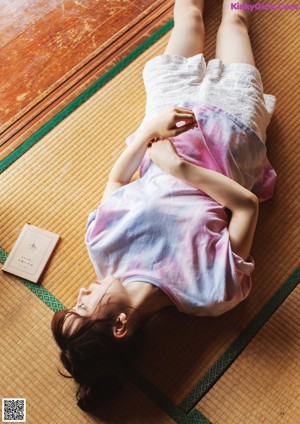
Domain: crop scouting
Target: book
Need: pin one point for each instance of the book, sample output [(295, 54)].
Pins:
[(30, 253)]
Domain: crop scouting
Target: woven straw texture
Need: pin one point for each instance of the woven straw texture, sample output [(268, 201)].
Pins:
[(60, 180), (263, 384), (29, 364)]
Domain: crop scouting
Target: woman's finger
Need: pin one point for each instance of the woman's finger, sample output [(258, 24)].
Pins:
[(185, 117), (183, 128), (183, 109)]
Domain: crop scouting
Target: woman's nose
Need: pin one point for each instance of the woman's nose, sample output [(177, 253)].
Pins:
[(83, 292)]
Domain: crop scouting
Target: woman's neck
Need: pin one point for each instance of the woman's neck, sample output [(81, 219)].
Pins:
[(147, 299)]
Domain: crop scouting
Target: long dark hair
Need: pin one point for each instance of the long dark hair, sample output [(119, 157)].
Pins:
[(94, 357)]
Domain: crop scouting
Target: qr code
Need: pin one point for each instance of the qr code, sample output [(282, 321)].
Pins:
[(13, 410)]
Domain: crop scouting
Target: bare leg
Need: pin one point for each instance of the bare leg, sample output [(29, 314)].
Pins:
[(233, 41), (187, 37)]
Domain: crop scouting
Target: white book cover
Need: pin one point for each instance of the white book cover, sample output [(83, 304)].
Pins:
[(31, 253)]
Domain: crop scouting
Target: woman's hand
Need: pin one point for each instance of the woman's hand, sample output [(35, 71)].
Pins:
[(164, 124), (164, 154)]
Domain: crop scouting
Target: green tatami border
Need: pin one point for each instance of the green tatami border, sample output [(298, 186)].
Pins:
[(185, 412), (194, 417), (83, 97), (231, 354), (37, 289), (173, 411)]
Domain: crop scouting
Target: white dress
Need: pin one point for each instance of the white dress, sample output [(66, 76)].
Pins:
[(236, 88)]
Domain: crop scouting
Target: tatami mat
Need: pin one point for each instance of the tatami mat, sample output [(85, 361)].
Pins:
[(60, 180), (263, 385), (29, 364)]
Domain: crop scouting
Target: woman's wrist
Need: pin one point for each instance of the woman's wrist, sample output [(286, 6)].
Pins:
[(174, 166), (147, 133), (179, 167)]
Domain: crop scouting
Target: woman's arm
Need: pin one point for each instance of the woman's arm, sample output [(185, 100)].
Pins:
[(162, 125), (242, 202)]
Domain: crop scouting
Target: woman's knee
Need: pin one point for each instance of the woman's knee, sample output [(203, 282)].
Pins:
[(240, 19), (191, 18)]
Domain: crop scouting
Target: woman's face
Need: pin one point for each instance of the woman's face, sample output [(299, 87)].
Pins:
[(90, 298)]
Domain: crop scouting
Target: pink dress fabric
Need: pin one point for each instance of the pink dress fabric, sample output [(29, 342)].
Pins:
[(163, 231)]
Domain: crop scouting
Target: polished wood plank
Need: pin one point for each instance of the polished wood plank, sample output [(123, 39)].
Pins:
[(17, 16), (59, 49)]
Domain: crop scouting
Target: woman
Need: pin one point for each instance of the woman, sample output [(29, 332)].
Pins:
[(181, 234)]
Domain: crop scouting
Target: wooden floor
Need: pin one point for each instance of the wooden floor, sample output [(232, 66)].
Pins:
[(51, 50), (240, 368)]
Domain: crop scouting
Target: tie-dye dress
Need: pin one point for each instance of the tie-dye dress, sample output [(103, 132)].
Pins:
[(163, 231)]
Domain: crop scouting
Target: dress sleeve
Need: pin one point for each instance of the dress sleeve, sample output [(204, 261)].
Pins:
[(91, 218), (246, 267), (130, 138)]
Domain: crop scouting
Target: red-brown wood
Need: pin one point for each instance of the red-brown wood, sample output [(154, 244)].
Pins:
[(52, 50)]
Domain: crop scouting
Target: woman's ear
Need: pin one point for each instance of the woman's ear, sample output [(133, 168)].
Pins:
[(120, 328)]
